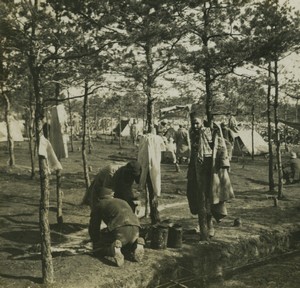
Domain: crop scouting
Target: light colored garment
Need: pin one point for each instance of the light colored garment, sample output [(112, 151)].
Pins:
[(46, 150), (170, 147), (58, 138), (149, 156)]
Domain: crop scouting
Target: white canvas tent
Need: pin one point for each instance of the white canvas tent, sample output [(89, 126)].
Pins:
[(243, 143), (15, 128)]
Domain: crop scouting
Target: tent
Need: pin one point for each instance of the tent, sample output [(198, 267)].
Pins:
[(15, 130), (125, 128), (243, 143)]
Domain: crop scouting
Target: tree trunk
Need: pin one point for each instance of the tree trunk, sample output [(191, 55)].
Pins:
[(84, 128), (47, 265), (202, 213), (59, 201), (31, 128), (148, 90), (277, 132), (271, 174), (120, 126), (10, 139), (71, 122), (252, 133)]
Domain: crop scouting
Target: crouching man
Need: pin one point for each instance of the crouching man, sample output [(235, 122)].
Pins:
[(122, 229), (123, 180)]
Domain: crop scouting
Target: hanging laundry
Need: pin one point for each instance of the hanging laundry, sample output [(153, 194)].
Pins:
[(149, 156), (46, 150), (58, 126)]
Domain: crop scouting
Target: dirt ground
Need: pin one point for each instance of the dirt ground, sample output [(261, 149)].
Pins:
[(20, 264)]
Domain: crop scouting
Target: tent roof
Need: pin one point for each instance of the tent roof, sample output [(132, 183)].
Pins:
[(15, 130), (260, 145)]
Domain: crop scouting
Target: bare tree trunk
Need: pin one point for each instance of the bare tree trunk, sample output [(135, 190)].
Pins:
[(47, 264), (150, 100), (10, 139), (31, 128), (202, 213), (271, 174), (296, 116), (84, 128), (31, 142), (59, 194), (277, 132), (252, 133), (120, 124)]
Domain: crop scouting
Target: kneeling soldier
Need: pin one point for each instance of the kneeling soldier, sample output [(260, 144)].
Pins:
[(122, 229)]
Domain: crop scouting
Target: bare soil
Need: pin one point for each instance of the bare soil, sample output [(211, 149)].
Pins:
[(74, 266)]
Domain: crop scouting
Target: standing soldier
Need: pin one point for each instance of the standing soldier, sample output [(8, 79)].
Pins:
[(183, 145), (133, 132)]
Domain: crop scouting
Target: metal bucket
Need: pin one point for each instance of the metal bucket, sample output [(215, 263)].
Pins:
[(159, 239), (175, 236)]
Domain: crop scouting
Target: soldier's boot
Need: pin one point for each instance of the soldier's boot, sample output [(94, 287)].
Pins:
[(177, 167), (115, 252), (138, 249)]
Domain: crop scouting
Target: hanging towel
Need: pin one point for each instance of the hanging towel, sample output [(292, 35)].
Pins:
[(46, 150), (58, 138)]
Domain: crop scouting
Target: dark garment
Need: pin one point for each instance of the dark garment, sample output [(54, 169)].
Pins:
[(208, 185), (291, 170), (182, 143), (102, 184), (123, 180), (115, 213)]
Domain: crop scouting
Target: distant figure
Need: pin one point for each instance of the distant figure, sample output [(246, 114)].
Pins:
[(171, 148), (133, 132), (122, 229), (291, 169), (183, 145), (123, 180), (161, 128)]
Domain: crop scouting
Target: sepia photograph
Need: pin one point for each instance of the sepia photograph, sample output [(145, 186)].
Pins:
[(149, 143)]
